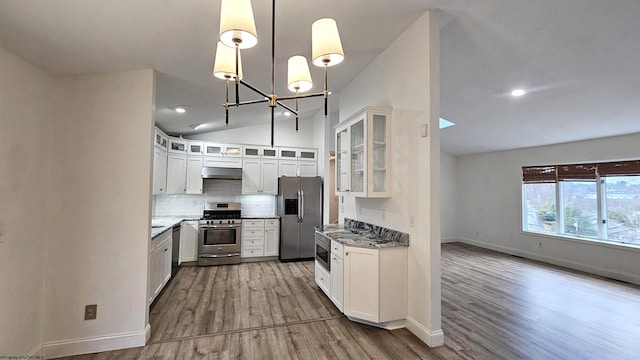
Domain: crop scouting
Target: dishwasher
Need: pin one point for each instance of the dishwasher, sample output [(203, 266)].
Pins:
[(175, 249)]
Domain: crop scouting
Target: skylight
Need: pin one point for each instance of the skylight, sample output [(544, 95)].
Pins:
[(444, 123)]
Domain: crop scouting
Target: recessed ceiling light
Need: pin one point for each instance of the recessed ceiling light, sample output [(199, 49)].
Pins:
[(444, 123), (518, 92), (180, 109), (286, 113)]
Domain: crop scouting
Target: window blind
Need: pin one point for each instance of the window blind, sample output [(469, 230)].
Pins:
[(580, 172), (619, 168), (539, 174)]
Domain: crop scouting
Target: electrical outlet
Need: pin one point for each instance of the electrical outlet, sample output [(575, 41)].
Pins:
[(91, 312), (540, 244)]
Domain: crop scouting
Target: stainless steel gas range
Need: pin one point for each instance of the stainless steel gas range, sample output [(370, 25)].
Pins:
[(219, 237)]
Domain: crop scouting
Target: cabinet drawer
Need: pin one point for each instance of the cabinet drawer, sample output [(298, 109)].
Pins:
[(251, 251), (336, 249), (253, 232), (272, 223), (252, 223), (250, 242), (323, 279)]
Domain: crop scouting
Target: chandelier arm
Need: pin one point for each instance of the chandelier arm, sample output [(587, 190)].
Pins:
[(304, 96), (226, 104), (237, 73), (250, 102), (260, 92), (296, 110), (273, 47), (286, 107)]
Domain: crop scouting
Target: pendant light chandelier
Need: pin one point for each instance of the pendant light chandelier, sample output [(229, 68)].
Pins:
[(238, 32)]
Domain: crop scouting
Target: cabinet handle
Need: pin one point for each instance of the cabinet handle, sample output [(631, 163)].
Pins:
[(347, 253), (166, 249)]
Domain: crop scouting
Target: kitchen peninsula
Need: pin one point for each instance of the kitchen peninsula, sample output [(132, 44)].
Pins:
[(362, 268)]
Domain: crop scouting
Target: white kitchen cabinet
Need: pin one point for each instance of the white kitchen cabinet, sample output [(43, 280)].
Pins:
[(323, 279), (297, 168), (188, 241), (194, 174), (161, 139), (363, 153), (259, 176), (223, 162), (260, 237), (337, 275), (177, 145), (195, 147), (176, 174), (271, 237), (159, 264), (257, 151), (159, 171), (308, 154), (226, 150), (375, 285)]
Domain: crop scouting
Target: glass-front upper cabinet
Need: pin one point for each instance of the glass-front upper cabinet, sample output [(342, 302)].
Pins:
[(342, 159), (161, 140), (177, 145), (195, 147), (222, 150), (363, 154)]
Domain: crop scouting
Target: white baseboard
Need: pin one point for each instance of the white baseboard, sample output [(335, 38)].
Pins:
[(431, 338), (32, 353), (55, 349), (448, 240), (630, 278), (389, 325)]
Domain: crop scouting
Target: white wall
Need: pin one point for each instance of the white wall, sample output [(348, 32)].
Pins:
[(405, 77), (98, 212), (284, 134), (489, 193), (25, 103), (323, 141), (448, 197)]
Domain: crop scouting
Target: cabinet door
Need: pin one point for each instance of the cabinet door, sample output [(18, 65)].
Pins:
[(161, 140), (176, 174), (323, 279), (213, 149), (337, 282), (342, 161), (233, 150), (269, 177), (308, 154), (194, 175), (379, 152), (358, 157), (308, 168), (271, 238), (189, 241), (159, 171), (361, 283), (287, 168), (251, 177), (166, 261), (288, 153), (269, 152), (178, 145), (195, 148), (251, 151)]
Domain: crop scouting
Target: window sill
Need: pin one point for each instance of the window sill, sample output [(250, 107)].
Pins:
[(603, 243)]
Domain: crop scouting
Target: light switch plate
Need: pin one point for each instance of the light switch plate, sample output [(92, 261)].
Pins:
[(91, 312)]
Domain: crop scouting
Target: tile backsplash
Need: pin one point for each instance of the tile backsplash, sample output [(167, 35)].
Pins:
[(215, 191)]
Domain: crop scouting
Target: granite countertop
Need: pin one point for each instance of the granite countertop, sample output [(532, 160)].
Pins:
[(161, 224), (368, 237)]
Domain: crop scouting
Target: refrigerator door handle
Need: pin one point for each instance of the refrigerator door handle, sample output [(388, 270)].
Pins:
[(299, 202), (302, 206)]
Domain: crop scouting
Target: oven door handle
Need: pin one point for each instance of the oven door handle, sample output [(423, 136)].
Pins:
[(219, 256), (220, 227)]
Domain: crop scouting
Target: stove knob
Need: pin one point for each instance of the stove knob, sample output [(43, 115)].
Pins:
[(229, 222)]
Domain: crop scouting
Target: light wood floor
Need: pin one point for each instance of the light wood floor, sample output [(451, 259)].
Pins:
[(494, 306)]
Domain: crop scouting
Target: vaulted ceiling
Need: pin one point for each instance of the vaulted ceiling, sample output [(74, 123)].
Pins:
[(577, 59)]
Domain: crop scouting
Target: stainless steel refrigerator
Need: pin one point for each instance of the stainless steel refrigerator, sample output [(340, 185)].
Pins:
[(300, 211)]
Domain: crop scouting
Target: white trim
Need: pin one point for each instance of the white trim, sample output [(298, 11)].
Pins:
[(54, 349), (147, 333), (448, 240), (389, 325), (631, 278), (431, 338), (35, 351)]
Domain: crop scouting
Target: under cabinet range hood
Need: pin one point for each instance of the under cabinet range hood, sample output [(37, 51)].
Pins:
[(221, 173)]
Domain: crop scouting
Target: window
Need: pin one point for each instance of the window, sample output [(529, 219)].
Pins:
[(600, 201)]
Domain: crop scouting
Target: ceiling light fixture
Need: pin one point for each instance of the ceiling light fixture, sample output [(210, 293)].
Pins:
[(518, 92), (180, 109), (238, 32)]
